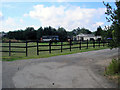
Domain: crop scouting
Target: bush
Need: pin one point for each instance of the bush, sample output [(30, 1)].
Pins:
[(12, 40), (113, 68)]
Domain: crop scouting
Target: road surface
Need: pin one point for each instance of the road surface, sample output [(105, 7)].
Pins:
[(81, 70)]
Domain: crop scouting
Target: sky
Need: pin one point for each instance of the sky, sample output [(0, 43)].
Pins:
[(70, 15)]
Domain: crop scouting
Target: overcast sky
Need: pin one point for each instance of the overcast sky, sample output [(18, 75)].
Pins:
[(70, 15)]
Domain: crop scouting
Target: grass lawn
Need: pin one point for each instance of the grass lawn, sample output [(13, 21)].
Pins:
[(32, 52)]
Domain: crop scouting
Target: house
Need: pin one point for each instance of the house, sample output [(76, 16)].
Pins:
[(88, 37), (2, 34)]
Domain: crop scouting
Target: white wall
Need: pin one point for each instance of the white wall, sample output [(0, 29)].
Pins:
[(85, 38)]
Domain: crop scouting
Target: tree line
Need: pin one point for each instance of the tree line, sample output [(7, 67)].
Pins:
[(31, 34)]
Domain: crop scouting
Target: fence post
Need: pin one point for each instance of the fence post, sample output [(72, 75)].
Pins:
[(70, 44), (61, 45), (93, 43), (87, 43), (99, 43), (9, 48), (103, 43), (26, 48), (37, 47), (80, 45), (50, 46)]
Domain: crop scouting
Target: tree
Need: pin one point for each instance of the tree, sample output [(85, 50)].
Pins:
[(113, 15), (82, 30), (99, 31), (62, 34), (85, 31), (47, 31), (30, 33), (39, 33)]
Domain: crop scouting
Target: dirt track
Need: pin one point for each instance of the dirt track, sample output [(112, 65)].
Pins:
[(81, 70)]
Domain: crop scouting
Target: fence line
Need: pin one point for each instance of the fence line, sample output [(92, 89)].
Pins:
[(71, 43)]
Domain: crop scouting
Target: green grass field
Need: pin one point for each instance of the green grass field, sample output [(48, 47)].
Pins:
[(32, 52)]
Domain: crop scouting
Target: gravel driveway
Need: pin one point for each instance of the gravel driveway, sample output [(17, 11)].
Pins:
[(81, 70)]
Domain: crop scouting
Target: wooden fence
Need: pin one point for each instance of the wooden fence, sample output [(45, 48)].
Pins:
[(50, 45)]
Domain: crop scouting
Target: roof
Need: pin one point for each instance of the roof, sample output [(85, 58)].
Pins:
[(50, 36), (86, 35)]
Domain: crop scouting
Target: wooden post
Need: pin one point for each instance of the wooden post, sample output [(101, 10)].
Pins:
[(87, 43), (37, 47), (70, 44), (80, 45), (9, 48), (26, 48), (61, 45), (93, 43), (99, 43), (103, 43), (50, 46)]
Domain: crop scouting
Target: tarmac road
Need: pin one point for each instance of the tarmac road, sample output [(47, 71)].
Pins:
[(81, 70)]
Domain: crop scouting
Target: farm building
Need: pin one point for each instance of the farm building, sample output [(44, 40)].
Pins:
[(88, 36), (2, 34), (48, 38)]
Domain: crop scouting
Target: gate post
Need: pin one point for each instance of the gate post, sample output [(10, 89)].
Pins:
[(26, 48), (87, 43), (103, 43), (80, 45), (70, 44), (61, 45), (99, 43), (93, 43), (9, 48), (37, 47), (50, 46)]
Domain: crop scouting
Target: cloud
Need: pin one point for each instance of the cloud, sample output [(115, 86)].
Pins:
[(21, 21), (11, 24), (1, 14), (10, 21), (8, 24), (98, 24), (69, 17)]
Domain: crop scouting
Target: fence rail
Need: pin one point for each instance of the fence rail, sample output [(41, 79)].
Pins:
[(61, 45)]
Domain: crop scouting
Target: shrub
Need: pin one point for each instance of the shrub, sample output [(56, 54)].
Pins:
[(113, 68)]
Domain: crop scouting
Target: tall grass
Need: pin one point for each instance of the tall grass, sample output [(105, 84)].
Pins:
[(114, 67), (113, 71)]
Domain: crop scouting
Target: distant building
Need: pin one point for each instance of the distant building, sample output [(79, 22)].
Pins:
[(48, 38), (87, 36), (2, 34)]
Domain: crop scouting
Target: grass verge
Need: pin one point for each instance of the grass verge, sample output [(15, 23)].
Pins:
[(32, 54), (113, 71)]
